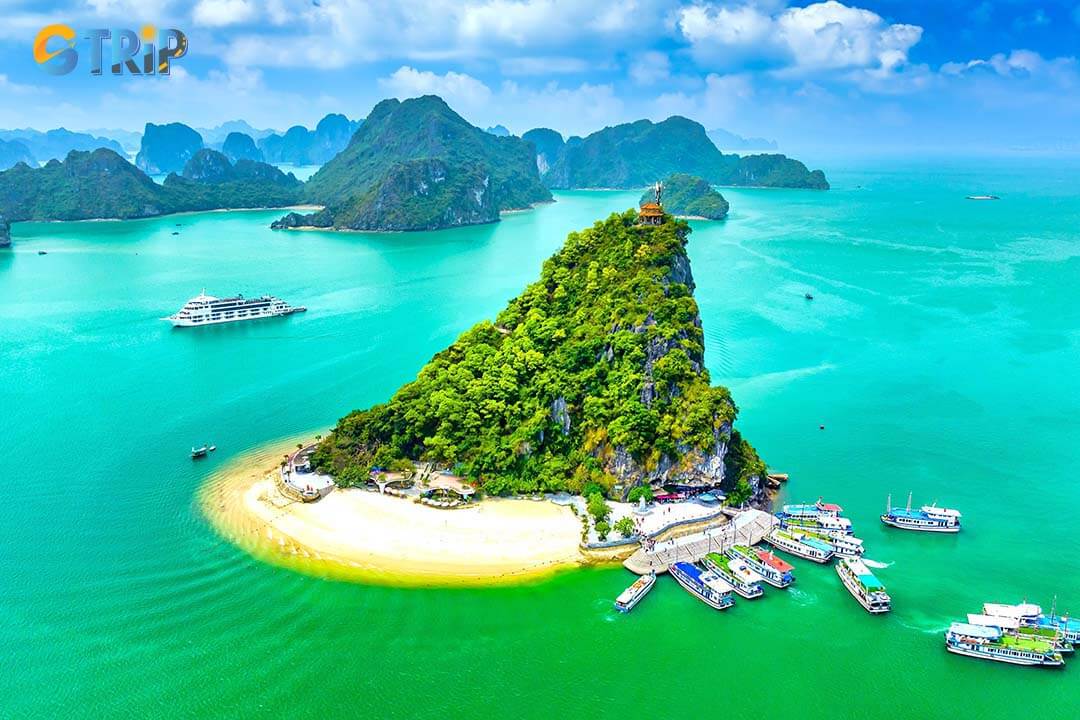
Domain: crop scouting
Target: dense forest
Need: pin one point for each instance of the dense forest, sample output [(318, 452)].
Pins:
[(594, 374)]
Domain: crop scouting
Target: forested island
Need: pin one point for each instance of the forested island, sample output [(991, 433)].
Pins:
[(635, 154), (418, 165), (691, 197), (101, 184), (592, 378)]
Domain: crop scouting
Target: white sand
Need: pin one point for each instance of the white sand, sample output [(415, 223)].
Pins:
[(358, 534)]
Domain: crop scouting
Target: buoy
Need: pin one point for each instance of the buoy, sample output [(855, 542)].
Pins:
[(821, 427)]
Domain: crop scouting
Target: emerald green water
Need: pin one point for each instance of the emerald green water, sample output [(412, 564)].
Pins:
[(940, 353)]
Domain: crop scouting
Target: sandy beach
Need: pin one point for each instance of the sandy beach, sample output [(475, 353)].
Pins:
[(361, 535)]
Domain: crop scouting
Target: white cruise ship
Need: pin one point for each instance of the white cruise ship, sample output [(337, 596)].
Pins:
[(206, 309)]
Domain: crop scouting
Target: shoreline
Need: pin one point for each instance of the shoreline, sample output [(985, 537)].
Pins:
[(362, 536)]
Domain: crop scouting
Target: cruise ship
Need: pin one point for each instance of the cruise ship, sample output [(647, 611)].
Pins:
[(800, 545), (928, 518), (735, 573), (206, 309), (706, 585)]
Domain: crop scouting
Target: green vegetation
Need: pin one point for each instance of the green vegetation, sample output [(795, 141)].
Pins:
[(593, 375), (636, 154), (641, 491), (689, 196), (602, 529), (101, 184), (597, 507), (418, 165), (625, 527)]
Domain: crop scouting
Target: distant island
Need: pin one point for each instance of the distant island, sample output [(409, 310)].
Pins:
[(636, 154), (300, 146), (56, 143), (101, 184), (687, 196), (725, 140), (418, 165), (593, 377)]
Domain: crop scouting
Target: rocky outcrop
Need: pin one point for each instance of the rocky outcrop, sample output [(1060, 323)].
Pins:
[(300, 146), (5, 233), (548, 144), (238, 146), (167, 148), (13, 152), (292, 221)]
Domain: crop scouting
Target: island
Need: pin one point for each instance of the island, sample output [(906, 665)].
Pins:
[(57, 143), (635, 154), (300, 146), (167, 148), (240, 146), (418, 165), (103, 185), (13, 152), (686, 196), (589, 387)]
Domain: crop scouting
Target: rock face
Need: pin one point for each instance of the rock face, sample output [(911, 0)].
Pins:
[(13, 152), (167, 148), (498, 131), (5, 233), (210, 181), (320, 219), (636, 154), (417, 165), (300, 146), (595, 373), (58, 143), (689, 196), (548, 144), (238, 146)]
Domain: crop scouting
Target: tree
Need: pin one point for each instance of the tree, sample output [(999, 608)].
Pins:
[(625, 527), (598, 508), (641, 491), (602, 530)]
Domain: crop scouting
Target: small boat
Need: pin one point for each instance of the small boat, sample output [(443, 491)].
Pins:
[(735, 573), (632, 595), (42, 252), (772, 569), (175, 233), (808, 296), (992, 643), (798, 544), (200, 452), (824, 524), (982, 197), (705, 585), (928, 518), (863, 585)]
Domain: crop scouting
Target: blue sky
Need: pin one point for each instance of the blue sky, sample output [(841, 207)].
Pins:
[(829, 75)]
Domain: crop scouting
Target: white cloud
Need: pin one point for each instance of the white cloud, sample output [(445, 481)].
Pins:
[(219, 13), (1017, 64), (650, 68), (457, 89), (822, 36), (545, 66)]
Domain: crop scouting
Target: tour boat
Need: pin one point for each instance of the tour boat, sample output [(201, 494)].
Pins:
[(928, 518), (992, 643), (735, 573), (772, 569), (706, 585), (205, 309), (842, 545), (198, 452), (863, 586), (632, 595), (1031, 615), (812, 511), (799, 544), (1013, 626), (831, 525)]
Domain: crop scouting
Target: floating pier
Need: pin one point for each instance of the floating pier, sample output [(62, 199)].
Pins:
[(746, 527)]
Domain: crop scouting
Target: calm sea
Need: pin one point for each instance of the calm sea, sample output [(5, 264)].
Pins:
[(940, 353)]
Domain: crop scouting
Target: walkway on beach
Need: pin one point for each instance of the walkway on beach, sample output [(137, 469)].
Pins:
[(746, 528)]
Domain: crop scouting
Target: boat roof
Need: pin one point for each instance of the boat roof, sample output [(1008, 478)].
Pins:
[(904, 512), (815, 543), (831, 507), (1062, 623), (1022, 610), (943, 512), (1005, 623), (690, 569), (772, 561), (801, 507), (628, 594), (712, 579), (867, 578), (979, 631)]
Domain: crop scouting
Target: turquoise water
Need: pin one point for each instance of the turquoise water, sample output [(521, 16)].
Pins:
[(940, 353)]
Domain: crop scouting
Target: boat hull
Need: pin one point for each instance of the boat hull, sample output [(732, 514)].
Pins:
[(893, 522), (1028, 662), (184, 322), (799, 552), (853, 590), (690, 587), (632, 602)]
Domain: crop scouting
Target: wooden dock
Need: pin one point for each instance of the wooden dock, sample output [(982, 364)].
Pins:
[(745, 528)]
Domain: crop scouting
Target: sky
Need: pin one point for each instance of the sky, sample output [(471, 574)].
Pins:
[(888, 74)]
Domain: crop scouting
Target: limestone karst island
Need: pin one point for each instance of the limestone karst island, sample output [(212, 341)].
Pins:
[(539, 359)]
